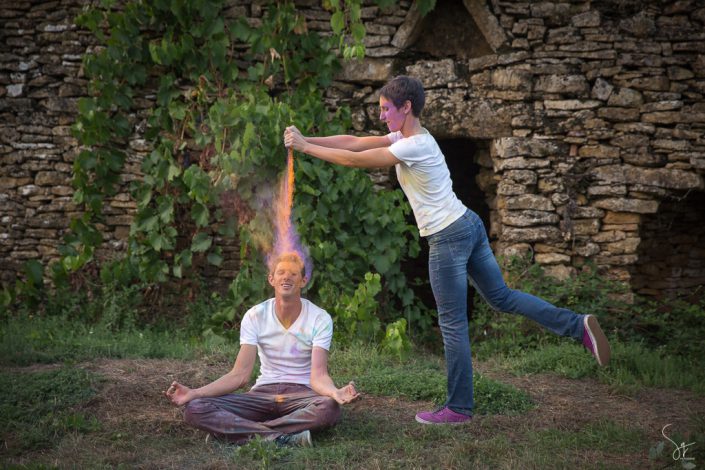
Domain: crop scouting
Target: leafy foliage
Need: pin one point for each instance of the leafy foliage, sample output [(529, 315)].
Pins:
[(670, 326), (224, 91)]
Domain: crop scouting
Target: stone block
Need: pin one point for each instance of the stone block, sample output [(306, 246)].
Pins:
[(626, 246), (530, 202), (529, 218), (626, 97), (7, 182), (525, 177), (588, 19), (552, 258), (622, 218), (511, 78), (376, 41), (673, 117), (698, 161), (50, 178), (507, 188), (367, 71), (646, 159), (588, 250), (566, 35), (480, 63), (585, 226), (619, 114), (640, 206), (640, 60), (409, 30), (587, 212), (433, 73), (528, 235), (608, 236), (630, 141), (640, 127), (572, 105), (671, 144), (663, 178), (613, 174), (562, 84), (509, 147), (654, 83), (602, 90), (617, 260), (679, 73), (451, 113), (599, 151), (560, 271), (491, 30), (640, 25)]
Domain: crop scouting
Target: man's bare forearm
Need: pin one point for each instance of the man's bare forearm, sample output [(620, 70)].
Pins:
[(323, 385), (224, 385)]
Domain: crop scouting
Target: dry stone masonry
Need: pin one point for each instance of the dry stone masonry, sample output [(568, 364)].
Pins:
[(581, 123)]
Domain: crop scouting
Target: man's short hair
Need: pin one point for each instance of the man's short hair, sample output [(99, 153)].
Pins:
[(289, 256), (402, 88)]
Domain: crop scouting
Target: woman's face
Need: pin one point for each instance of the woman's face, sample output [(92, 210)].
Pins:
[(394, 117)]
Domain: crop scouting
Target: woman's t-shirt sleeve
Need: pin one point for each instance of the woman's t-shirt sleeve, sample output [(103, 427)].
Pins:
[(409, 150)]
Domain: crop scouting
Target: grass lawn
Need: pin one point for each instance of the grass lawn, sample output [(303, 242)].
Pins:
[(93, 400)]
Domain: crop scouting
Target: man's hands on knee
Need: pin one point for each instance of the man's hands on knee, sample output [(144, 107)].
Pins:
[(346, 394), (179, 394)]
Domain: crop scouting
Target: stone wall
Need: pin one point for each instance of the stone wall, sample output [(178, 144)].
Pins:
[(40, 82), (592, 111)]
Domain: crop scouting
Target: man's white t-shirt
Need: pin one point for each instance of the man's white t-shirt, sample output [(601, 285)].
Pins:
[(285, 354), (425, 179)]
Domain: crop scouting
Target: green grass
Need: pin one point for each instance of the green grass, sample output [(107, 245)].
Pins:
[(601, 435), (379, 433), (365, 441), (422, 377), (25, 341), (632, 367), (36, 408)]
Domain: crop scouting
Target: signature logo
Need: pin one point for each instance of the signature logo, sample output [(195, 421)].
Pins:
[(680, 450)]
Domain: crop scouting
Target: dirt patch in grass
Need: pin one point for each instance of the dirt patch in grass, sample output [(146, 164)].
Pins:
[(141, 429), (570, 404)]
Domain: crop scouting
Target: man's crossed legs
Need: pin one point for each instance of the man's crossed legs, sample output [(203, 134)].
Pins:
[(271, 411)]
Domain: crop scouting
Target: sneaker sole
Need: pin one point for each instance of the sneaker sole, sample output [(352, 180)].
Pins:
[(306, 440), (423, 421), (599, 340)]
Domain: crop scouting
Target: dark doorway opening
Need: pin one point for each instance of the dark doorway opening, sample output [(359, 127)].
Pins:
[(671, 254), (462, 157), (449, 30)]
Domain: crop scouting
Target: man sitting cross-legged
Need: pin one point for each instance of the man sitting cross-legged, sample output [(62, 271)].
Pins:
[(294, 393)]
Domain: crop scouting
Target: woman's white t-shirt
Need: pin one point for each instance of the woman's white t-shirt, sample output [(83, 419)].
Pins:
[(285, 354), (425, 179)]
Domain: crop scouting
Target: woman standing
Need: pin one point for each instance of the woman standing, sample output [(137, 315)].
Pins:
[(458, 245)]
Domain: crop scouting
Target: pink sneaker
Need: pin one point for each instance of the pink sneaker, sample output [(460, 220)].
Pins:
[(443, 416), (595, 340)]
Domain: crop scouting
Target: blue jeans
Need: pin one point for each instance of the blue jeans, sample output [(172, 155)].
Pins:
[(460, 252)]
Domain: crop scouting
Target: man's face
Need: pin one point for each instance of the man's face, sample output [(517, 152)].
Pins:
[(394, 117), (287, 279)]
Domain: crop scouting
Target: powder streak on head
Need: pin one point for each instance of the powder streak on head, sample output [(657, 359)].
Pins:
[(286, 239)]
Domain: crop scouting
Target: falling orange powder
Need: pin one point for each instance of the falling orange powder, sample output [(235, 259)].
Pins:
[(285, 240)]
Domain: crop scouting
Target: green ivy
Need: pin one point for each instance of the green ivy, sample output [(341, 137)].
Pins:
[(224, 91)]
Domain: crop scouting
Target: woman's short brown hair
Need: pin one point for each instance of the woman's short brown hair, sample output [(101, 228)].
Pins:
[(402, 88)]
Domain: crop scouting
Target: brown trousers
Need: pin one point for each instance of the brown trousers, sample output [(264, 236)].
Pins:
[(267, 410)]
